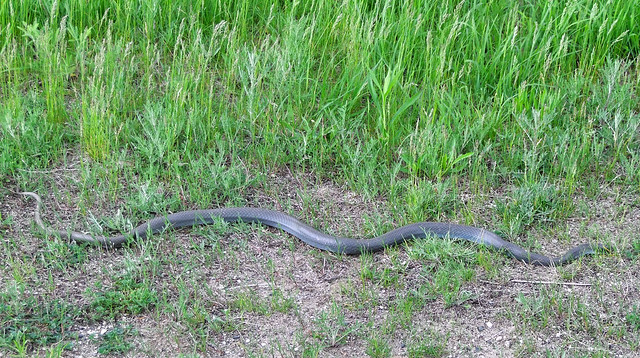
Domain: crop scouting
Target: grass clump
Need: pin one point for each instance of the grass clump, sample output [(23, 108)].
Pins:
[(115, 341), (378, 348), (331, 327), (534, 203), (633, 317), (29, 322), (128, 296), (62, 256), (250, 301), (428, 344)]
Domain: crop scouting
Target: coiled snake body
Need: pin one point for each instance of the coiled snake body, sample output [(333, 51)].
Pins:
[(319, 239)]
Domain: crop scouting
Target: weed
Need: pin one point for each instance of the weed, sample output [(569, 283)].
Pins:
[(429, 344), (551, 307), (50, 47), (309, 348), (281, 303), (378, 348), (634, 251), (426, 201), (249, 301), (5, 223), (128, 296), (29, 322), (533, 203), (386, 277), (62, 256), (115, 341), (633, 317), (332, 328)]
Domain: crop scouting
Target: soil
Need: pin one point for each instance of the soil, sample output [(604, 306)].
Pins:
[(256, 259)]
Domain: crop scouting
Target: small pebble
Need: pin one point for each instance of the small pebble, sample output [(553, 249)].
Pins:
[(489, 324)]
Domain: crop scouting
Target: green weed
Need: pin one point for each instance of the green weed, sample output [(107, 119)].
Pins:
[(533, 203), (29, 322), (115, 341), (378, 348), (633, 317), (128, 296), (428, 344), (62, 256), (332, 328)]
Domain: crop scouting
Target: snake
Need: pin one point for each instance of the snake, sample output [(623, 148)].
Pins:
[(316, 238)]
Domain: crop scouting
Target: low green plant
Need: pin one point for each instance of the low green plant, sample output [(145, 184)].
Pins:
[(115, 341), (427, 344), (127, 296), (633, 317), (5, 223), (62, 255), (427, 201), (331, 326), (378, 348), (250, 301), (30, 322), (533, 203)]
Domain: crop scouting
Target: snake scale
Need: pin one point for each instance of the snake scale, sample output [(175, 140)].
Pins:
[(319, 239)]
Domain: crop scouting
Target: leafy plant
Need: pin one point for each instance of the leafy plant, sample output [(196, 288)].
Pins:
[(128, 296), (29, 323), (115, 341)]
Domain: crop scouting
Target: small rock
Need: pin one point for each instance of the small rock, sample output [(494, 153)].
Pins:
[(480, 328), (489, 324)]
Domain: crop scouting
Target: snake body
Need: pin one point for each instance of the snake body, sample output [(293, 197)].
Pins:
[(317, 238)]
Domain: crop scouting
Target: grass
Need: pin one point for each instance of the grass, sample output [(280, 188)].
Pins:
[(30, 322), (114, 341), (128, 296), (356, 116)]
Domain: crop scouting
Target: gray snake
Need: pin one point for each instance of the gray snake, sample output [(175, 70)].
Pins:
[(319, 239)]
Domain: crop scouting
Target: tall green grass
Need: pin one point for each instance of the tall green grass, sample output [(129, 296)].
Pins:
[(494, 91)]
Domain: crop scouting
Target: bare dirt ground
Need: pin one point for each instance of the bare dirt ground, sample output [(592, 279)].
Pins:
[(575, 310)]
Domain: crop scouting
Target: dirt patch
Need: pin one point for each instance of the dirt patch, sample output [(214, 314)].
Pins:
[(235, 291)]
